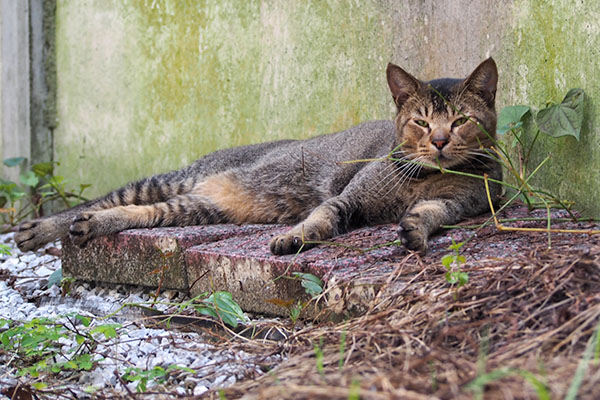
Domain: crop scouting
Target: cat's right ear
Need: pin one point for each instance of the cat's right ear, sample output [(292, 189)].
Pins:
[(401, 83)]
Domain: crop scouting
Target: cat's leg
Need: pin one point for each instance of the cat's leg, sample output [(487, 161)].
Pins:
[(425, 218), (182, 210), (34, 234), (324, 222), (468, 199)]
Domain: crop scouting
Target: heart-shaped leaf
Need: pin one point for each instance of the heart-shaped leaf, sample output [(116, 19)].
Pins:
[(13, 162), (565, 118), (511, 118)]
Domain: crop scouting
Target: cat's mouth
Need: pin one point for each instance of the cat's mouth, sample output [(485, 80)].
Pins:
[(441, 160)]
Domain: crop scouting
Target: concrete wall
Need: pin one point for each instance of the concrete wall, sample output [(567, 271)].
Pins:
[(148, 86)]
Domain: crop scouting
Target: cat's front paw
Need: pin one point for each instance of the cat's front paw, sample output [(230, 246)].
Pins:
[(412, 234), (288, 243), (83, 229), (33, 234), (285, 244)]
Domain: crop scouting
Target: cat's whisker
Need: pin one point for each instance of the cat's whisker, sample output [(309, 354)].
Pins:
[(399, 166), (411, 171), (383, 176)]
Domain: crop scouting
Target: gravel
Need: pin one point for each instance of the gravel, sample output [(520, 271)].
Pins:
[(24, 295)]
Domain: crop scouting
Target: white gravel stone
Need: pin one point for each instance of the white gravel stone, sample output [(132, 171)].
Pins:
[(134, 346)]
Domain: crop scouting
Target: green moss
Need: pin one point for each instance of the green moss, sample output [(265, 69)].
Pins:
[(556, 48), (182, 79)]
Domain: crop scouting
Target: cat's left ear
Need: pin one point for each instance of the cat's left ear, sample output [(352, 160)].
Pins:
[(484, 81)]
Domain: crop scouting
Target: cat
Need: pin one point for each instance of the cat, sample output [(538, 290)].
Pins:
[(321, 184)]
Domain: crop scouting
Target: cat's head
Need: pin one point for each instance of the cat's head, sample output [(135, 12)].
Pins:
[(445, 122)]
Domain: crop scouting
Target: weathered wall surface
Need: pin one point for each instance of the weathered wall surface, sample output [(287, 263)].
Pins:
[(148, 86), (550, 48)]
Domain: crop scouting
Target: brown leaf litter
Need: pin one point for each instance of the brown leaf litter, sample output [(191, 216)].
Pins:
[(521, 324)]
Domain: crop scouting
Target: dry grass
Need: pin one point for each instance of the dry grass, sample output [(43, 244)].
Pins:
[(525, 317)]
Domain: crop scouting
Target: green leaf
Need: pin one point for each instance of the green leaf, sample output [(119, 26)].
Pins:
[(43, 169), (4, 250), (85, 361), (39, 385), (13, 162), (83, 319), (463, 278), (55, 278), (451, 278), (79, 339), (511, 118), (447, 260), (223, 305), (311, 283), (565, 118), (29, 179), (108, 330), (456, 246)]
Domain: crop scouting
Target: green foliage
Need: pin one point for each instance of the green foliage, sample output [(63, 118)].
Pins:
[(319, 357), (37, 347), (563, 119), (311, 284), (452, 263), (221, 305), (155, 376), (55, 278), (5, 249), (36, 186), (107, 330), (511, 118), (478, 384), (342, 349), (294, 311)]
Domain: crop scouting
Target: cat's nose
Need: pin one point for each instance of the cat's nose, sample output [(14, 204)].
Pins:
[(439, 138)]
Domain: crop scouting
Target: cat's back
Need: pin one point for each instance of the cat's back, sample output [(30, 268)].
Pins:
[(366, 140)]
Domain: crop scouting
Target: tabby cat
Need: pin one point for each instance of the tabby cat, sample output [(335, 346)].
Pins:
[(448, 123)]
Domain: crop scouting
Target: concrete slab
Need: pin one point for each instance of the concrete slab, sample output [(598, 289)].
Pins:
[(144, 256), (358, 268)]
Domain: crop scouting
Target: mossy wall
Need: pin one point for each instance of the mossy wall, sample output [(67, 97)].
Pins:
[(550, 48), (148, 86)]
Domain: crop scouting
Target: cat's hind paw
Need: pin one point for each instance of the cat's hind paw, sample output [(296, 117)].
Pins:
[(34, 234), (83, 229)]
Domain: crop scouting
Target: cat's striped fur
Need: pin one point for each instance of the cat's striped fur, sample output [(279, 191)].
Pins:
[(445, 122)]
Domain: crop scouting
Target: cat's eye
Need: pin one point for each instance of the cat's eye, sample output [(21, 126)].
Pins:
[(422, 123), (459, 122)]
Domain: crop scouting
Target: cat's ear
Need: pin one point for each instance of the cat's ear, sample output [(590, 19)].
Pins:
[(484, 80), (401, 83)]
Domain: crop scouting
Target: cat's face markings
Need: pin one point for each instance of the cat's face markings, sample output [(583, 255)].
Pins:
[(438, 121)]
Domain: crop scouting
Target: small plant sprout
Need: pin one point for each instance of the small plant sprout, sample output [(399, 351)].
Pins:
[(220, 305), (452, 263)]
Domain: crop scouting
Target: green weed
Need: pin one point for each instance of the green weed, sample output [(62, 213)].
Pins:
[(36, 347), (36, 186), (154, 376)]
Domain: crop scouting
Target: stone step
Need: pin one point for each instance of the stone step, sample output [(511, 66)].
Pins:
[(354, 267), (237, 259), (146, 257)]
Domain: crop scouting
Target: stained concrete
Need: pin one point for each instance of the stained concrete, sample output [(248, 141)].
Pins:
[(358, 269), (148, 257)]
